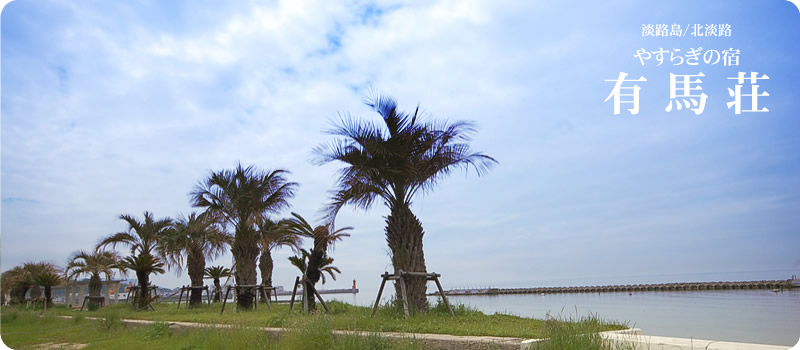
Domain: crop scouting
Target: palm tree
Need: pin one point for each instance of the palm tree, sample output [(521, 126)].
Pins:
[(217, 272), (324, 239), (394, 160), (143, 265), (34, 271), (271, 236), (17, 282), (144, 238), (94, 264), (48, 280), (326, 266), (7, 292), (244, 197), (197, 237)]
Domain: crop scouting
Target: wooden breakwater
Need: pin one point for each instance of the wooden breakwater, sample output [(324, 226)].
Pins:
[(684, 286)]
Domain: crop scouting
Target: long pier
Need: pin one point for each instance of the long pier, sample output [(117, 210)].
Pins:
[(685, 286)]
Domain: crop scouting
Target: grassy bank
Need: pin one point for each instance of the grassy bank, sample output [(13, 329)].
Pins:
[(26, 329), (21, 327)]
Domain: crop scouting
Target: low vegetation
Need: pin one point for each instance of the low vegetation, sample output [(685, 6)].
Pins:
[(567, 333), (23, 329), (317, 326)]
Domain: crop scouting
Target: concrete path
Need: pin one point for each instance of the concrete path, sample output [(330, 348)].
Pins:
[(627, 337), (648, 342)]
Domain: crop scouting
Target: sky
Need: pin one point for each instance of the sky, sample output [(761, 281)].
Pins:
[(121, 107)]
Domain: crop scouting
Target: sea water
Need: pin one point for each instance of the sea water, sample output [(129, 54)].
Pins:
[(749, 316)]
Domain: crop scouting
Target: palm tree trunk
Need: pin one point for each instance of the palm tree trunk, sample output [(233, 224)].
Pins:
[(196, 264), (18, 295), (313, 276), (22, 291), (36, 292), (95, 286), (245, 251), (143, 297), (308, 294), (265, 264), (404, 235), (217, 291), (48, 295)]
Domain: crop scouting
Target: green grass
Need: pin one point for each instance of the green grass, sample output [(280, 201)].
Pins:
[(345, 317), (578, 334), (22, 327)]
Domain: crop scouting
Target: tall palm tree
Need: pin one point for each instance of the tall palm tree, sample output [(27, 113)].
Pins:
[(197, 237), (143, 265), (95, 264), (324, 239), (394, 160), (326, 266), (144, 238), (217, 272), (244, 197), (271, 236)]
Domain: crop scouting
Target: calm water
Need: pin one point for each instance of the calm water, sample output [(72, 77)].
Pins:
[(752, 316)]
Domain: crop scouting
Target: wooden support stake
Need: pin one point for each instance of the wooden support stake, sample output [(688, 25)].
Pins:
[(380, 291), (180, 297), (321, 301), (305, 295), (225, 300), (402, 282), (444, 298), (421, 274), (255, 297), (264, 289), (294, 292)]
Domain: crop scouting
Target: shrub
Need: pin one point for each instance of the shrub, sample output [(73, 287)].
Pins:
[(9, 316), (156, 331), (112, 321)]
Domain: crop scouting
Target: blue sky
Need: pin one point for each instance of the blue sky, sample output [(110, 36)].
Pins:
[(121, 107)]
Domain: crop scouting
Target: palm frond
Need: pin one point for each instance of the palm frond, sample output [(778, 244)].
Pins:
[(48, 279), (244, 196), (143, 263), (411, 157), (123, 238), (97, 262), (217, 272), (199, 233)]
